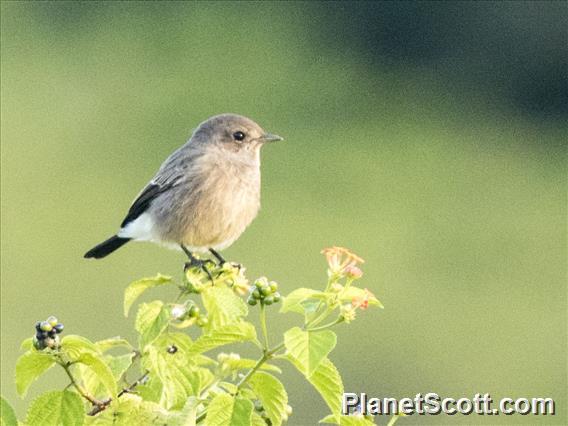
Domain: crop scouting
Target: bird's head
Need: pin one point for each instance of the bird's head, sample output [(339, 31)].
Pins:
[(233, 134)]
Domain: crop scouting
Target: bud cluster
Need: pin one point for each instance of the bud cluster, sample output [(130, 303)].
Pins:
[(189, 311), (47, 333), (264, 291)]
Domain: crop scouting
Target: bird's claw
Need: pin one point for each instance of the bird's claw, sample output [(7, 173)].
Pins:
[(199, 264)]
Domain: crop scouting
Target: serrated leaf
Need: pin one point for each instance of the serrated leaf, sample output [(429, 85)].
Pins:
[(151, 321), (91, 380), (7, 414), (309, 348), (111, 343), (294, 301), (223, 306), (101, 370), (29, 367), (358, 293), (179, 376), (347, 420), (187, 416), (272, 394), (57, 408), (327, 381), (74, 346), (256, 420), (136, 288), (225, 335), (225, 410)]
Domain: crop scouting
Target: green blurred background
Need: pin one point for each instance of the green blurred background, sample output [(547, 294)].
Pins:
[(427, 137)]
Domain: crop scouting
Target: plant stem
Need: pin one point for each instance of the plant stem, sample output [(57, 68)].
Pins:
[(79, 388), (265, 357), (328, 325), (263, 326)]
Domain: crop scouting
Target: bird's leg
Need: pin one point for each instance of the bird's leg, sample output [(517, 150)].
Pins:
[(222, 260), (218, 256), (196, 263)]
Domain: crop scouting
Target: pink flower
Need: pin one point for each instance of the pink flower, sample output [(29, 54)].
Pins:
[(362, 301), (341, 261)]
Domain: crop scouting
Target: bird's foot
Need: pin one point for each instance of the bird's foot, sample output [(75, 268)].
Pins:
[(200, 265)]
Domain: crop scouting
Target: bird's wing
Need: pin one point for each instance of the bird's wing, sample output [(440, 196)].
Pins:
[(156, 187)]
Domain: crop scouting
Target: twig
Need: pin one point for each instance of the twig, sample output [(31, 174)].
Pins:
[(103, 405)]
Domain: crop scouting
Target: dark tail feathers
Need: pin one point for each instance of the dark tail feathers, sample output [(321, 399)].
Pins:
[(106, 247)]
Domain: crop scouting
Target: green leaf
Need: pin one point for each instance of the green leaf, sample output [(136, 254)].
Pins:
[(27, 344), (119, 364), (272, 394), (293, 302), (29, 367), (179, 376), (309, 348), (347, 420), (225, 335), (130, 409), (57, 408), (74, 346), (256, 420), (101, 370), (223, 306), (136, 288), (327, 381), (151, 321), (111, 343), (225, 410), (7, 414), (188, 415)]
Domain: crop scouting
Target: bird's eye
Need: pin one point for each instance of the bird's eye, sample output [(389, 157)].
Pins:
[(239, 136)]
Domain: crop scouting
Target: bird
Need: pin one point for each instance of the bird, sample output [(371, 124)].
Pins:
[(204, 195)]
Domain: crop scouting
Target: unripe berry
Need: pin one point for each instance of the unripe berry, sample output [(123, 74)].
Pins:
[(268, 300), (273, 286), (45, 326), (52, 321), (194, 311), (265, 291), (202, 321), (276, 297), (261, 282), (256, 293), (252, 301)]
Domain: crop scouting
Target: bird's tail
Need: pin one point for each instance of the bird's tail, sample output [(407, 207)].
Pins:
[(106, 247)]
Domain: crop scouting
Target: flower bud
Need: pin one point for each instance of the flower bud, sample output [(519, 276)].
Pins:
[(178, 311), (353, 272)]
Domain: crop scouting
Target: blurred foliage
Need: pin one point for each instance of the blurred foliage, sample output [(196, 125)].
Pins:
[(430, 138)]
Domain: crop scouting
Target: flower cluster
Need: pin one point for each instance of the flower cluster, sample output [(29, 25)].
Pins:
[(342, 263), (264, 291), (348, 311), (47, 333)]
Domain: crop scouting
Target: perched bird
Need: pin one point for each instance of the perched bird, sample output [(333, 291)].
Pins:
[(204, 195)]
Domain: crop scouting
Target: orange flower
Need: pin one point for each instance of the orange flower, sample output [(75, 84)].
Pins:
[(341, 261)]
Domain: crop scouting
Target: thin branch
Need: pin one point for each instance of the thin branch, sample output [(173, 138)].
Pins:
[(103, 405)]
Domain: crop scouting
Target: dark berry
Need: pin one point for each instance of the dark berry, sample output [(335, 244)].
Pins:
[(172, 349), (40, 335), (59, 328), (38, 326)]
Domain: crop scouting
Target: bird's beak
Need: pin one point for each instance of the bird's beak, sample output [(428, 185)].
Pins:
[(269, 137)]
